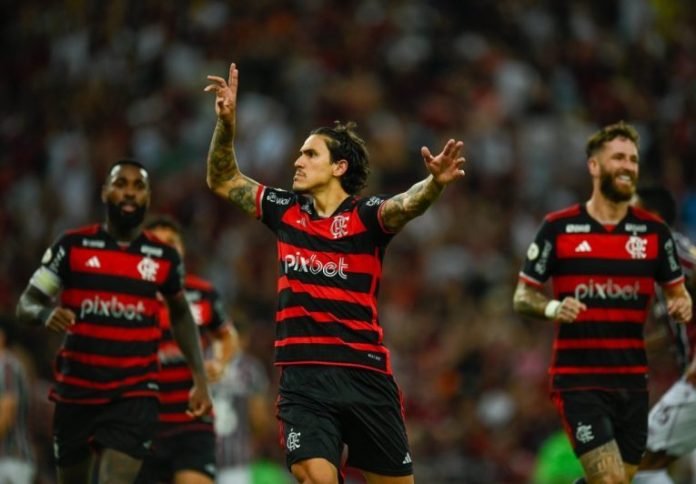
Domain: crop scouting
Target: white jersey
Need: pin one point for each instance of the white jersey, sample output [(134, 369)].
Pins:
[(245, 377), (672, 421), (684, 334)]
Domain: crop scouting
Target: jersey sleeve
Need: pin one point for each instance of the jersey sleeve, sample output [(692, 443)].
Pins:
[(54, 268), (272, 204), (669, 270), (370, 212), (539, 259), (175, 278)]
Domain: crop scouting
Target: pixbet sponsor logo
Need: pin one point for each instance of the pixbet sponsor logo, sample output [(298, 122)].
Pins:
[(111, 308), (607, 290), (312, 265)]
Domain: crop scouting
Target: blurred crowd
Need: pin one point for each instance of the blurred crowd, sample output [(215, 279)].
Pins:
[(522, 82)]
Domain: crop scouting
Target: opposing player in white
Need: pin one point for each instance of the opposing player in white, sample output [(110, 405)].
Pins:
[(672, 421)]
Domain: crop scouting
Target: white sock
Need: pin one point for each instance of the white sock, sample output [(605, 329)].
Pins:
[(652, 477)]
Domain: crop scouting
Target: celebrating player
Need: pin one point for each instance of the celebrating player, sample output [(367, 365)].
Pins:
[(604, 258), (336, 384)]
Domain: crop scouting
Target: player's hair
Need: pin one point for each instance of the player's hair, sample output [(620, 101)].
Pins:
[(658, 199), (164, 221), (345, 144), (608, 133), (125, 161)]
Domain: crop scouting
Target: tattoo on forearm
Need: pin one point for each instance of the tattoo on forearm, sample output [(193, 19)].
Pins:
[(222, 162), (224, 176), (406, 206), (244, 195), (529, 301)]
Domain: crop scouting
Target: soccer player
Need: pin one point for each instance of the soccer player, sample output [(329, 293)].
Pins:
[(604, 258), (183, 450), (243, 413), (106, 278), (336, 382), (17, 459), (672, 421)]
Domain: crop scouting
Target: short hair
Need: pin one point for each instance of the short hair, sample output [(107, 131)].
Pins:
[(164, 221), (345, 144), (125, 161), (608, 133), (656, 198)]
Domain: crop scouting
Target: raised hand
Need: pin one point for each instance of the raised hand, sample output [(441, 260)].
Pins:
[(446, 166), (225, 94)]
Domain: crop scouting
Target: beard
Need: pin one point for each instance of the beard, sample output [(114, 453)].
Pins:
[(611, 191), (125, 220)]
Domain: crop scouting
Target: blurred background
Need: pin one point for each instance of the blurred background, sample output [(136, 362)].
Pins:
[(522, 82)]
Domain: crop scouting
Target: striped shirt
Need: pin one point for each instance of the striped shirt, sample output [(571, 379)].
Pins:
[(111, 350), (329, 276), (613, 270), (244, 380), (175, 378), (15, 442)]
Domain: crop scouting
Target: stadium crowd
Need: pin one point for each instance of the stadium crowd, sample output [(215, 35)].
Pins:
[(522, 82)]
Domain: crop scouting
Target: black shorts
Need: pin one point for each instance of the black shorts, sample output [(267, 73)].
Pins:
[(321, 408), (592, 418), (125, 425), (190, 451)]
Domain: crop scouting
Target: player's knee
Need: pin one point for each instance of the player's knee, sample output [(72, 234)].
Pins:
[(611, 476), (315, 471)]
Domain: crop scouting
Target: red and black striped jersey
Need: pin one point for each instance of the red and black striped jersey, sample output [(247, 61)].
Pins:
[(175, 378), (613, 270), (329, 276), (111, 350)]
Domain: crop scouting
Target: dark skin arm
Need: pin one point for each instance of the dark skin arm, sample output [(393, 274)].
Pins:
[(187, 337), (35, 308)]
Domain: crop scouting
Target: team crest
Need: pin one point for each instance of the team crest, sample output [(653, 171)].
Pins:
[(339, 226), (148, 269), (584, 433), (293, 440), (637, 247)]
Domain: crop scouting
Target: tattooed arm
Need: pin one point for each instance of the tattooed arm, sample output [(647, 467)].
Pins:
[(530, 301), (224, 177), (444, 168)]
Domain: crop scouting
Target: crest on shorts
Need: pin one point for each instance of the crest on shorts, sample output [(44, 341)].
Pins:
[(293, 440), (584, 433)]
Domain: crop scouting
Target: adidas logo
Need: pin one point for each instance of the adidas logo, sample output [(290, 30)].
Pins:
[(583, 246), (407, 459), (93, 262)]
